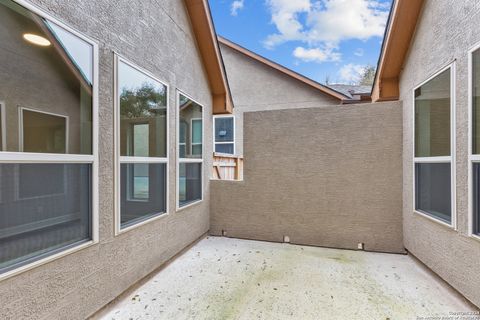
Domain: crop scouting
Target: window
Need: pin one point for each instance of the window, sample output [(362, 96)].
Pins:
[(224, 134), (48, 158), (141, 146), (475, 121), (190, 152), (433, 148)]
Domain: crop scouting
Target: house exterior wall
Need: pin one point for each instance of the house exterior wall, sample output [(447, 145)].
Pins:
[(155, 35), (446, 30), (328, 176), (256, 87)]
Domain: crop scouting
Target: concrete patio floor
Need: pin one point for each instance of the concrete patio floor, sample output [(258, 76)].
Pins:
[(222, 278)]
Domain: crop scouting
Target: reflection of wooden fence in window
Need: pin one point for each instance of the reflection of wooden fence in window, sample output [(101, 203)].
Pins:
[(227, 167)]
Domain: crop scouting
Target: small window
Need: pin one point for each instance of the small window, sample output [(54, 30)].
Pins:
[(433, 155), (475, 101), (48, 78), (190, 151), (142, 109), (225, 134)]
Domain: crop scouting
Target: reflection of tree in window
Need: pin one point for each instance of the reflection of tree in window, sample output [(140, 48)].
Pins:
[(143, 109), (144, 101)]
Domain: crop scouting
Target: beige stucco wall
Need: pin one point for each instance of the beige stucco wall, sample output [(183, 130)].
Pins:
[(445, 32), (157, 36), (256, 87), (328, 176)]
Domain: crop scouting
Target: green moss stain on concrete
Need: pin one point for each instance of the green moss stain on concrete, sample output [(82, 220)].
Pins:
[(231, 279)]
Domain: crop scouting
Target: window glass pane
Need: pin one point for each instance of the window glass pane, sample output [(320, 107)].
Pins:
[(143, 191), (224, 129), (44, 132), (433, 191), (140, 139), (196, 131), (224, 148), (48, 69), (191, 128), (476, 198), (476, 101), (143, 110), (432, 117), (197, 149), (44, 208), (190, 183)]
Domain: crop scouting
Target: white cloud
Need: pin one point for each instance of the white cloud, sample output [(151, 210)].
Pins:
[(236, 6), (338, 20), (351, 73), (316, 54), (359, 52), (285, 16), (325, 22)]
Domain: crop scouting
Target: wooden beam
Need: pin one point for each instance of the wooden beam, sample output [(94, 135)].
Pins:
[(205, 35), (400, 31)]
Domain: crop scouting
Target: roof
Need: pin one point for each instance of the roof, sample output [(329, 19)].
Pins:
[(204, 30), (396, 43), (351, 90), (324, 89)]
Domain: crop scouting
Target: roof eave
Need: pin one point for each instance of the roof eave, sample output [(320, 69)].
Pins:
[(398, 37), (204, 30)]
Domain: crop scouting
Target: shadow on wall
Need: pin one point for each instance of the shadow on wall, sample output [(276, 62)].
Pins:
[(329, 176)]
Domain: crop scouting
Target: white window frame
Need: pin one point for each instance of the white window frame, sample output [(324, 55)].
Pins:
[(439, 159), (131, 160), (36, 158), (472, 158), (215, 130), (188, 160), (21, 140), (3, 125)]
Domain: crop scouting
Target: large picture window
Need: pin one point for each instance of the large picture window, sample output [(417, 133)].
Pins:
[(475, 121), (190, 152), (48, 158), (433, 147), (224, 134), (141, 146)]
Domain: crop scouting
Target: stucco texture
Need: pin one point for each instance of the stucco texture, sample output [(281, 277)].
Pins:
[(445, 32), (328, 176), (257, 87), (157, 36)]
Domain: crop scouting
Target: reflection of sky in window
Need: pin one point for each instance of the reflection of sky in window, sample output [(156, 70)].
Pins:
[(132, 79), (78, 50)]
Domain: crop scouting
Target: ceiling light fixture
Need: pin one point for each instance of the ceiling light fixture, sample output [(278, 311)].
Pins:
[(35, 39)]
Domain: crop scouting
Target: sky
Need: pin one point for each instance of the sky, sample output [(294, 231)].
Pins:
[(323, 40)]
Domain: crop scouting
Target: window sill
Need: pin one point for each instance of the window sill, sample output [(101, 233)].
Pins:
[(158, 216), (189, 205), (46, 260), (430, 218), (475, 237)]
